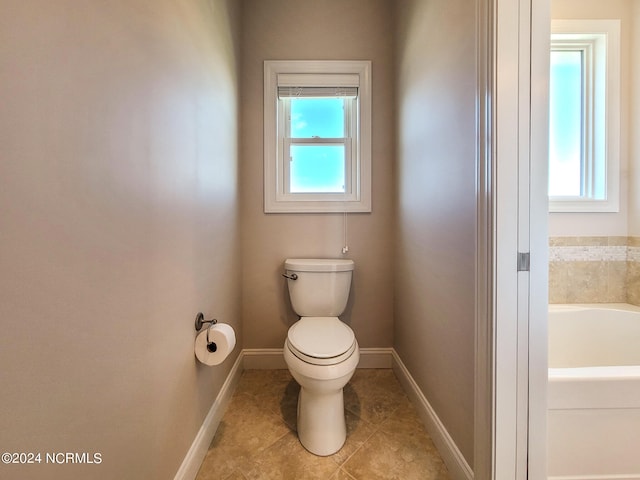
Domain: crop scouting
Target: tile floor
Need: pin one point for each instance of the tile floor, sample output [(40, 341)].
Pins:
[(256, 438)]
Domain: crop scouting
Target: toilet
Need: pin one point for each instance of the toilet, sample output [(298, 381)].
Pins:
[(321, 351)]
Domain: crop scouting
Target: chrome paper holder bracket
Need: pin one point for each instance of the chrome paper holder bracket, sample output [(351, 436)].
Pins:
[(200, 321)]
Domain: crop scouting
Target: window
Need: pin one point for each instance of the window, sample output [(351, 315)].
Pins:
[(317, 128), (584, 116)]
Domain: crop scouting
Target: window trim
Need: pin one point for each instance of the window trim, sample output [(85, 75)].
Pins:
[(357, 196), (607, 141)]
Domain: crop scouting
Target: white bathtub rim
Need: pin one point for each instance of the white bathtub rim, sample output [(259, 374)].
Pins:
[(563, 307), (593, 335), (596, 373)]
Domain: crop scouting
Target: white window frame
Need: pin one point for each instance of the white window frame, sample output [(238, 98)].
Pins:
[(357, 141), (600, 42)]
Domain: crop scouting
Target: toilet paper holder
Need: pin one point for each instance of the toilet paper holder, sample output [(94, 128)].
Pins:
[(211, 346), (200, 321)]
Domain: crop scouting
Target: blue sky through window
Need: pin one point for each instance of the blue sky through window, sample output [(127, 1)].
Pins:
[(320, 117), (317, 168), (565, 123)]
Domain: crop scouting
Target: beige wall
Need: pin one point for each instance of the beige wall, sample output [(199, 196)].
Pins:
[(118, 210), (123, 192), (603, 224), (317, 30), (435, 251)]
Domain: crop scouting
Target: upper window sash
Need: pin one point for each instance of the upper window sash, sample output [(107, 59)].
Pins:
[(349, 117)]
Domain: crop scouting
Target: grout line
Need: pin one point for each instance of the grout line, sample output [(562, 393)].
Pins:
[(342, 465), (349, 476), (235, 472), (376, 428)]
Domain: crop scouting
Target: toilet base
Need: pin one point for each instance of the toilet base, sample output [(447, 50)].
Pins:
[(322, 428)]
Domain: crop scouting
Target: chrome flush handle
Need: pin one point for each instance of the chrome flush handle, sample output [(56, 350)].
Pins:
[(293, 276)]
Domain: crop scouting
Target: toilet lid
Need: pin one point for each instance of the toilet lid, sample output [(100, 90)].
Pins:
[(321, 340)]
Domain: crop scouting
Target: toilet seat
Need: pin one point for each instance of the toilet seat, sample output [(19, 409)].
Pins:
[(321, 340)]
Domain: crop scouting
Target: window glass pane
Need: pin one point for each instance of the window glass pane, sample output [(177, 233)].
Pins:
[(565, 124), (317, 169), (317, 117)]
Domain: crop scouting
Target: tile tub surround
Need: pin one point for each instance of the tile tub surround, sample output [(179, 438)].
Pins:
[(256, 438), (594, 270), (633, 271)]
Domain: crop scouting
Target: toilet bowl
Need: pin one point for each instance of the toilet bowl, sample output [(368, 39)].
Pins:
[(321, 352), (321, 425)]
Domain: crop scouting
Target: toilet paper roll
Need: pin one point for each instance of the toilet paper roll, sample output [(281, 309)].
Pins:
[(222, 340)]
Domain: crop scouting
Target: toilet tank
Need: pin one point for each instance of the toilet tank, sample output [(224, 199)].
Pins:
[(321, 286)]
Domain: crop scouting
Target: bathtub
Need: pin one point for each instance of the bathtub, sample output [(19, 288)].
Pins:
[(594, 392)]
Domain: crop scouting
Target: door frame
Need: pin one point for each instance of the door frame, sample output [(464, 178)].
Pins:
[(511, 325)]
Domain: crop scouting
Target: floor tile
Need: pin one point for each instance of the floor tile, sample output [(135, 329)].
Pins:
[(341, 475), (236, 476), (396, 456), (245, 430), (358, 432), (257, 437), (373, 394), (288, 460), (400, 449)]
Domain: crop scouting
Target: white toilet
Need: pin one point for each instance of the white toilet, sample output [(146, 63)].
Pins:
[(321, 351)]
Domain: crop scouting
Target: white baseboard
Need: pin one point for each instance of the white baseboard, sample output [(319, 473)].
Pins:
[(192, 461), (376, 358), (273, 359), (453, 458), (629, 476), (263, 359)]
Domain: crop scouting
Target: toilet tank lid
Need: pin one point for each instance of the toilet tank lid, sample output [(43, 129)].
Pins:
[(318, 264)]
